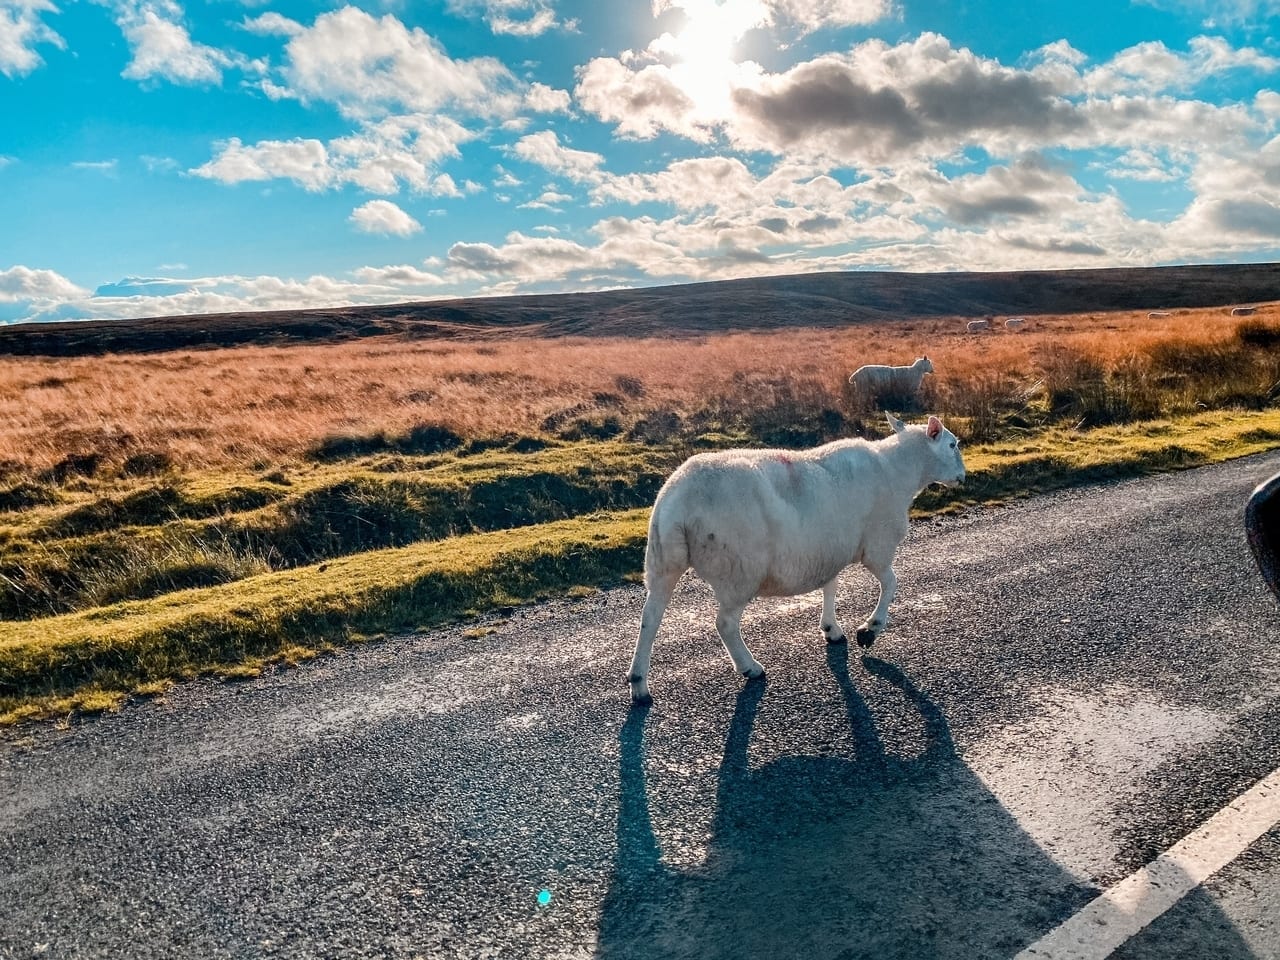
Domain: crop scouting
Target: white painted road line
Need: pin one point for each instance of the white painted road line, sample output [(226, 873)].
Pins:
[(1123, 910)]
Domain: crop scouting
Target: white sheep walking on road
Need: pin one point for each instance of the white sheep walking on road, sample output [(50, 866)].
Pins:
[(777, 523), (875, 380)]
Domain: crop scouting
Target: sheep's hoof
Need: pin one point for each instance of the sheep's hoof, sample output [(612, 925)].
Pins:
[(866, 637), (641, 702), (752, 677), (839, 641)]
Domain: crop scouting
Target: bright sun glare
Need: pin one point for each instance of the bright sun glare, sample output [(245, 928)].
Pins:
[(703, 49)]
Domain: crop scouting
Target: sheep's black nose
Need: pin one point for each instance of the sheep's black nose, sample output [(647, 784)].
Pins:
[(1262, 524)]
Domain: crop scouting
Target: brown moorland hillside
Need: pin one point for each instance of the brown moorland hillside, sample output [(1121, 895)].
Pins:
[(803, 300), (255, 405)]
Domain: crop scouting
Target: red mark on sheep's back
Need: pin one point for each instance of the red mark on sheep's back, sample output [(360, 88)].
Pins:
[(783, 458)]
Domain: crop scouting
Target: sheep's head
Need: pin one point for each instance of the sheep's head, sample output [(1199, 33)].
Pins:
[(943, 462), (923, 364), (946, 453)]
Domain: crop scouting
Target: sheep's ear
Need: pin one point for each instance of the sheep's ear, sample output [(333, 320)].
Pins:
[(934, 429), (897, 425)]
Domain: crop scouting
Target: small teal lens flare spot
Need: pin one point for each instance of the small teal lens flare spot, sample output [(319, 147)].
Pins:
[(544, 897)]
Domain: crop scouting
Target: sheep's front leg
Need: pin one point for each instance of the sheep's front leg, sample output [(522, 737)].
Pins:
[(729, 626), (831, 628), (871, 629)]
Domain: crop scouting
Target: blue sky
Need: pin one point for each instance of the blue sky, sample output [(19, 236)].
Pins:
[(161, 157)]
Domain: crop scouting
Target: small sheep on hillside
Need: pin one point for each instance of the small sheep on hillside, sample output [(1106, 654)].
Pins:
[(876, 380)]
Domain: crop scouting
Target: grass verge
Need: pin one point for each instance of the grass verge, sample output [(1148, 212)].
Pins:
[(92, 660), (202, 530)]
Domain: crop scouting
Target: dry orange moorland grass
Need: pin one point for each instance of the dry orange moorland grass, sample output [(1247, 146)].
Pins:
[(251, 406)]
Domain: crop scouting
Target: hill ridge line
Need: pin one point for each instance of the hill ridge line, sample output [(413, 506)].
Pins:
[(700, 308)]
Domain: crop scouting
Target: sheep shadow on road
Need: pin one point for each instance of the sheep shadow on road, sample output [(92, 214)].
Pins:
[(874, 855)]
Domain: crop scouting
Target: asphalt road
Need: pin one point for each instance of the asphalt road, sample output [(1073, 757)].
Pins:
[(1067, 687)]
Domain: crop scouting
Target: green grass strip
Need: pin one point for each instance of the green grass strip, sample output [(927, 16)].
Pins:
[(92, 660), (1058, 458)]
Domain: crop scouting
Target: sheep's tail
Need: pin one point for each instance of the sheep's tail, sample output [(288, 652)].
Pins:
[(667, 549)]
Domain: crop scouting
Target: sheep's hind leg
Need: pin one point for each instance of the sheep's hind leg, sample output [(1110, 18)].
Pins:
[(655, 605), (729, 626), (831, 628), (871, 629)]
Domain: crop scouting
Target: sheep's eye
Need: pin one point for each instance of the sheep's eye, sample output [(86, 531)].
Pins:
[(955, 444)]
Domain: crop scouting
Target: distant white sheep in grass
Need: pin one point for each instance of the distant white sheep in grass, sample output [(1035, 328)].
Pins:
[(875, 380), (976, 326), (777, 523), (1157, 314), (1243, 311), (1015, 323)]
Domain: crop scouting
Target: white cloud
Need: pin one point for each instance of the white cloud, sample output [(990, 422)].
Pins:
[(641, 103), (159, 164), (684, 82), (162, 46), (18, 284), (724, 183), (107, 167), (529, 259), (223, 294), (541, 98), (1143, 165), (22, 29), (413, 106), (547, 200), (370, 67), (378, 158), (1028, 189), (1213, 55), (383, 216), (304, 161), (444, 186), (816, 14), (506, 179), (399, 276), (1152, 67), (717, 22), (1237, 201), (273, 25), (522, 18), (882, 104), (545, 150)]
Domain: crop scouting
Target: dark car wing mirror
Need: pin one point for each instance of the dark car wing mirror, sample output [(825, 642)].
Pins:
[(1262, 525)]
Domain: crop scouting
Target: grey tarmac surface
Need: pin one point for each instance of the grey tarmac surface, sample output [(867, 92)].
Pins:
[(1067, 687)]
